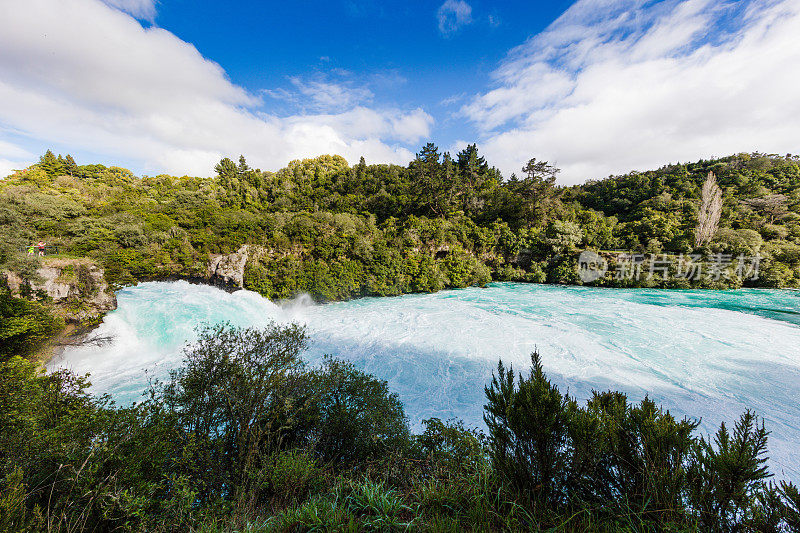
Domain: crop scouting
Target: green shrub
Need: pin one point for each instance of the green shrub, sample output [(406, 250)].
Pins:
[(223, 396), (358, 419), (13, 514), (24, 325), (529, 436), (774, 231), (288, 476), (743, 241), (790, 505), (613, 460), (726, 479), (450, 449)]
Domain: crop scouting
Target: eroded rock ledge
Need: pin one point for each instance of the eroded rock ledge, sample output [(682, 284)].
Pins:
[(227, 271), (77, 288)]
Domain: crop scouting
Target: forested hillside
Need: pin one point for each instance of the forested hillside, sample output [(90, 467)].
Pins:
[(337, 231)]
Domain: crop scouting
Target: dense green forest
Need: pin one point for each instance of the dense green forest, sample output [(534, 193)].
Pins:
[(245, 437), (335, 231)]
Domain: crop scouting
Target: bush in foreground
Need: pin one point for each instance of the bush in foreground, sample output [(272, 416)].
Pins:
[(244, 437)]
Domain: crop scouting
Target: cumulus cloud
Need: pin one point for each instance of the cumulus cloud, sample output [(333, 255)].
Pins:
[(8, 166), (84, 75), (322, 96), (453, 15), (12, 157), (618, 85), (141, 9)]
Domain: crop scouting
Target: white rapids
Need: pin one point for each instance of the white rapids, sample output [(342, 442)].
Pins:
[(705, 354)]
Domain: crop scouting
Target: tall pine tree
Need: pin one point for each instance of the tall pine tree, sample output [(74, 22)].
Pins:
[(50, 164)]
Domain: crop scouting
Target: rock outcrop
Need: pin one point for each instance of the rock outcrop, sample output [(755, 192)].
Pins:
[(227, 271), (77, 287)]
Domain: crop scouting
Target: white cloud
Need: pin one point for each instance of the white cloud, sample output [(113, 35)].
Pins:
[(83, 75), (12, 157), (10, 150), (453, 15), (141, 9), (322, 96), (7, 167), (617, 85)]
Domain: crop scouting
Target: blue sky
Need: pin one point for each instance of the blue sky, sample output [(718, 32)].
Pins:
[(394, 49), (597, 86), (262, 44)]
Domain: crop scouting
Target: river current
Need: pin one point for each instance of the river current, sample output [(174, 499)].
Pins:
[(705, 354)]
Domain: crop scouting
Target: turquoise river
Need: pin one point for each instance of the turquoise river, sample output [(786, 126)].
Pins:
[(706, 354)]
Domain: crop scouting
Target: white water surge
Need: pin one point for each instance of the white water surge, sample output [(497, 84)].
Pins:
[(702, 354)]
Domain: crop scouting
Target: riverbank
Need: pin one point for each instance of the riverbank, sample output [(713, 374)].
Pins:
[(68, 297)]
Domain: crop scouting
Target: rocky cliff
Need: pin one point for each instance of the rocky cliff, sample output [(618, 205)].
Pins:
[(227, 271), (76, 287)]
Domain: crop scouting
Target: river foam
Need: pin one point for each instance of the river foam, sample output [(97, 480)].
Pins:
[(704, 354)]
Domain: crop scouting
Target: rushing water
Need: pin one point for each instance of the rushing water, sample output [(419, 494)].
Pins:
[(699, 353)]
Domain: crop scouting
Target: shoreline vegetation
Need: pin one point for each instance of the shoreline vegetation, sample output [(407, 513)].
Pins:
[(244, 437)]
